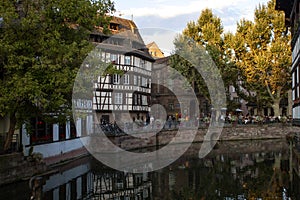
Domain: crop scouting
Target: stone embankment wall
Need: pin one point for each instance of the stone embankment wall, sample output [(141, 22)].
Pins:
[(13, 167), (240, 132)]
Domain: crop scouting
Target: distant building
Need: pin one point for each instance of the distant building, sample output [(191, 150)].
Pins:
[(291, 9), (165, 89), (155, 51)]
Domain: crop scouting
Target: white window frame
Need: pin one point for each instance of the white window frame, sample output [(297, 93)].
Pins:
[(135, 99), (139, 81), (118, 98), (116, 79), (144, 82), (114, 58), (126, 79), (134, 80), (144, 100), (127, 60), (142, 63)]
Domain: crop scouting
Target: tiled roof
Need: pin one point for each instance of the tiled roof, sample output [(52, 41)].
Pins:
[(126, 28), (127, 50)]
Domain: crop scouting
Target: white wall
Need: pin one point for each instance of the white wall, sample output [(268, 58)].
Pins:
[(55, 148)]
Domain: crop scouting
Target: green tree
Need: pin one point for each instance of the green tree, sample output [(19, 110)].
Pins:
[(207, 32), (42, 45), (262, 53)]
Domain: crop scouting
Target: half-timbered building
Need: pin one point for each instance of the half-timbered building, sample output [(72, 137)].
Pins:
[(129, 89), (292, 13)]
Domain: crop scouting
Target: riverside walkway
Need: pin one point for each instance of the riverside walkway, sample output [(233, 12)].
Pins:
[(229, 133)]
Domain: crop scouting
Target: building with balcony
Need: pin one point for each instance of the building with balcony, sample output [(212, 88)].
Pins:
[(292, 11), (128, 91)]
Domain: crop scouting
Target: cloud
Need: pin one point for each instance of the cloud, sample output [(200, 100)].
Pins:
[(178, 23), (174, 15), (164, 30), (168, 9)]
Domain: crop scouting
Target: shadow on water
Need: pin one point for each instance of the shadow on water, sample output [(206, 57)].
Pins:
[(233, 170)]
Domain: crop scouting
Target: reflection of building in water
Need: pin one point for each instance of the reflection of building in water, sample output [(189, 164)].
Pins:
[(110, 184), (74, 181), (86, 179), (224, 175), (294, 151)]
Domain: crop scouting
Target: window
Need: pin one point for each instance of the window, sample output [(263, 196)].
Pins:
[(139, 81), (126, 79), (127, 60), (148, 65), (142, 63), (144, 100), (118, 98), (135, 99), (62, 131), (134, 80), (144, 82), (41, 132), (136, 61), (171, 106), (139, 99), (116, 79), (114, 26), (113, 58), (72, 129), (236, 99)]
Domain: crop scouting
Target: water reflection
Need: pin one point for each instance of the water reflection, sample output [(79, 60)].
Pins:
[(234, 170)]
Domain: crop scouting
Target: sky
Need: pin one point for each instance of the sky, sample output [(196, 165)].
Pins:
[(161, 20)]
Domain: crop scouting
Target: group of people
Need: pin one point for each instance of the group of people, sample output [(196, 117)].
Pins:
[(255, 119), (172, 122)]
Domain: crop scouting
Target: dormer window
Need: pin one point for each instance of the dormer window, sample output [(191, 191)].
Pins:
[(114, 26)]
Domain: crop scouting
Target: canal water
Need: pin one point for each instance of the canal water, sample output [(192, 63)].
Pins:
[(232, 171)]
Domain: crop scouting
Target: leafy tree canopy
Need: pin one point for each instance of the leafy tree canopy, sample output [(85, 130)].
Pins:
[(262, 53), (42, 44), (207, 32)]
